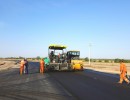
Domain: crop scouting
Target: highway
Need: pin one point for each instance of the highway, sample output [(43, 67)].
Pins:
[(86, 85)]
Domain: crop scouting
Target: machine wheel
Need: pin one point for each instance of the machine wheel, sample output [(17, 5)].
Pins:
[(82, 68), (74, 70), (59, 68)]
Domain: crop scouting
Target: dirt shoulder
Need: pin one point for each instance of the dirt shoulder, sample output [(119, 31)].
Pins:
[(5, 64), (113, 68)]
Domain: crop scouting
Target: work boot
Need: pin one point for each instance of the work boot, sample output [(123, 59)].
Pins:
[(20, 73), (119, 82), (128, 82)]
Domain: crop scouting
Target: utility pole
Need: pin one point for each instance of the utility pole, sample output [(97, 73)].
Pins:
[(90, 53)]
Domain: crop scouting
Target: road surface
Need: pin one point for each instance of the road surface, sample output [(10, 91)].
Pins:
[(86, 85)]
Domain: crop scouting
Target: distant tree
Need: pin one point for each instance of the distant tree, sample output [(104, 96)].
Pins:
[(21, 57), (100, 60), (117, 60), (86, 59), (127, 61), (106, 60), (94, 60), (38, 57)]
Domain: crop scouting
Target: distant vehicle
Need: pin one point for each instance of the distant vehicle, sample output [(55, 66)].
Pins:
[(73, 57)]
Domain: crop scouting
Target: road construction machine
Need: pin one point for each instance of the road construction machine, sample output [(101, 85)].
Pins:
[(58, 58), (61, 60), (73, 57)]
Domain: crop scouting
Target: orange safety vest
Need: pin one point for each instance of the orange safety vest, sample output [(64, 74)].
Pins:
[(22, 63), (41, 63), (123, 68)]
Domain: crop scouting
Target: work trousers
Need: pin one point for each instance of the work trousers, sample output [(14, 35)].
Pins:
[(41, 69), (123, 77), (26, 69), (21, 69)]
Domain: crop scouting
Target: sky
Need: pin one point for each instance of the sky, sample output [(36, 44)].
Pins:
[(28, 27)]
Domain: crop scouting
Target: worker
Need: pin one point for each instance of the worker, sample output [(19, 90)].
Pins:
[(22, 63), (123, 72), (59, 55), (46, 61), (26, 66), (42, 66), (52, 56)]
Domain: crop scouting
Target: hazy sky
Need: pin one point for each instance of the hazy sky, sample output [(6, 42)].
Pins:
[(27, 27)]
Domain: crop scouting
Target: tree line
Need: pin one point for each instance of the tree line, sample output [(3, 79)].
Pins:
[(116, 60)]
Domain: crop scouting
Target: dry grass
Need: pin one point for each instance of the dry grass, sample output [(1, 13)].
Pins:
[(106, 67), (4, 65)]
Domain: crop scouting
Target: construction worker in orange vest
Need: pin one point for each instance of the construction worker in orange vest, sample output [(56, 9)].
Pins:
[(123, 72), (22, 63), (42, 66)]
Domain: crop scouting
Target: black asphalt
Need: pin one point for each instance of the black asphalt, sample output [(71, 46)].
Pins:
[(86, 85)]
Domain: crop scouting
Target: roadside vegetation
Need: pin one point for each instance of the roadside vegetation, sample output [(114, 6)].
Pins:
[(116, 60)]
